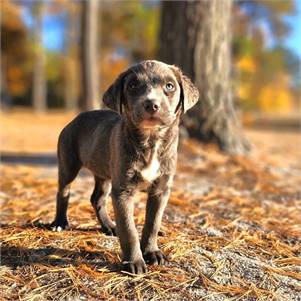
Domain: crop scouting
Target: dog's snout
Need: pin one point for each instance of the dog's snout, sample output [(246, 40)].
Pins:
[(151, 106)]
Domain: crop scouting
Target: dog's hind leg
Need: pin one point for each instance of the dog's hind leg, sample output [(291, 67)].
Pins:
[(99, 198), (68, 170)]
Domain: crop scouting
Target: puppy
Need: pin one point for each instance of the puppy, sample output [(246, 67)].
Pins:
[(131, 146)]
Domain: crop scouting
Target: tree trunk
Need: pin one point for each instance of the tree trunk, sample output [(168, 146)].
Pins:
[(199, 42), (90, 98), (39, 88), (71, 76)]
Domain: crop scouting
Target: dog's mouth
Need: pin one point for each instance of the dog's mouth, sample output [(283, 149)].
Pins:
[(151, 122)]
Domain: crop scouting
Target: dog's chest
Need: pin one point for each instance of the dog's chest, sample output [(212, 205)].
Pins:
[(152, 169)]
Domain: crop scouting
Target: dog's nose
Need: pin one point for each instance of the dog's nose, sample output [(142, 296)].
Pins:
[(151, 107)]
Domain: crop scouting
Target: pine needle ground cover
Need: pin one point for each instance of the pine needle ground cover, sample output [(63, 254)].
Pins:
[(231, 230)]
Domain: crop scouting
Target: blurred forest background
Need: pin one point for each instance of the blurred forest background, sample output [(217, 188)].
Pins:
[(64, 54), (42, 43)]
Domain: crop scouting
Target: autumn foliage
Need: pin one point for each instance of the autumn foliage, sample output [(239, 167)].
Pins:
[(265, 78)]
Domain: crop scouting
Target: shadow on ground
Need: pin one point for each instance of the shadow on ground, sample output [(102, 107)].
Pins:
[(16, 256), (32, 159)]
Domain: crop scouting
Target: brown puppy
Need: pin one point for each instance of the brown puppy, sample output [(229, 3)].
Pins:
[(127, 151)]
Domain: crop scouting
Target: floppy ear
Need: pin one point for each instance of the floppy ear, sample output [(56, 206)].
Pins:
[(189, 92), (113, 98)]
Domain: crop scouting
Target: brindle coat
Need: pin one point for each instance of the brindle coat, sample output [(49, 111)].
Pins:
[(131, 148)]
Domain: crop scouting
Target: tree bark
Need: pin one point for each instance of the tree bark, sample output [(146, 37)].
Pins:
[(196, 36), (71, 68), (39, 88), (90, 98)]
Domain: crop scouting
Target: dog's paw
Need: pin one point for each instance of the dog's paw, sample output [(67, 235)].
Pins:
[(59, 226), (134, 267), (109, 230), (155, 258)]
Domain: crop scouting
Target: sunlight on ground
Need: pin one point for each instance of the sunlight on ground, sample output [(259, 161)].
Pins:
[(231, 229)]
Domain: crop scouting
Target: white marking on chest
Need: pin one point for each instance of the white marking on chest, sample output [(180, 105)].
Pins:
[(152, 170)]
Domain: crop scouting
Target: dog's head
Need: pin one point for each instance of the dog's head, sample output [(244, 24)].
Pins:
[(151, 94)]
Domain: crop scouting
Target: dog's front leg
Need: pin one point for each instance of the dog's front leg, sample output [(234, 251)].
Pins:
[(157, 199), (123, 203)]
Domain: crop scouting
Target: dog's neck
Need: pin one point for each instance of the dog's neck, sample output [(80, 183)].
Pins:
[(146, 141), (151, 148)]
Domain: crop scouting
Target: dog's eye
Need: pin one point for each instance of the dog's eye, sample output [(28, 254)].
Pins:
[(169, 86), (133, 85)]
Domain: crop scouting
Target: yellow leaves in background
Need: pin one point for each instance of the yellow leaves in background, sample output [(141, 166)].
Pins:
[(247, 64), (110, 69), (16, 82), (10, 15), (244, 90), (275, 97)]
